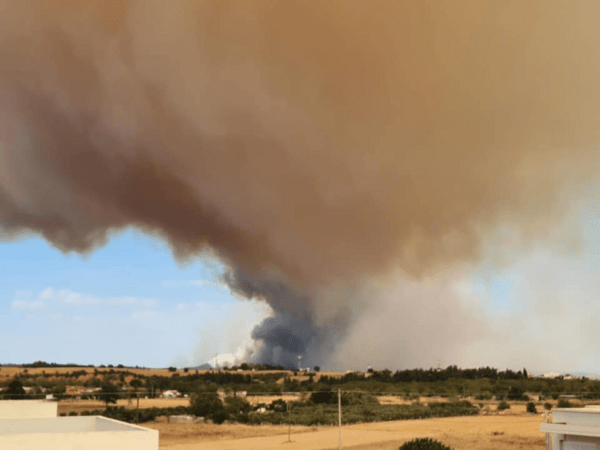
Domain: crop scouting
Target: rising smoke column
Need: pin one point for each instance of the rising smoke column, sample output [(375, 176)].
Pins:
[(309, 145)]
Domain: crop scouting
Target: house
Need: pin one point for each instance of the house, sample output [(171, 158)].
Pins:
[(171, 394)]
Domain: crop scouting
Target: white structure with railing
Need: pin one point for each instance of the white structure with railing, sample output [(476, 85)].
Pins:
[(573, 429)]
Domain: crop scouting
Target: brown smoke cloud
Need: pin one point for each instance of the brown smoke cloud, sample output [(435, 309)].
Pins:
[(311, 143)]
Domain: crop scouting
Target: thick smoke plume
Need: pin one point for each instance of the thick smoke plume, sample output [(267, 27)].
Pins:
[(309, 145)]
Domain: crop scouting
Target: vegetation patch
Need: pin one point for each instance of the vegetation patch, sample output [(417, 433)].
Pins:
[(424, 444)]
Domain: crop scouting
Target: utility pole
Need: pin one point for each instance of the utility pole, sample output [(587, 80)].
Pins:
[(340, 416), (137, 409), (289, 422)]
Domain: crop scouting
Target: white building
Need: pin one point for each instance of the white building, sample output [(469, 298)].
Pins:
[(551, 375), (170, 394), (75, 433), (32, 424), (573, 429)]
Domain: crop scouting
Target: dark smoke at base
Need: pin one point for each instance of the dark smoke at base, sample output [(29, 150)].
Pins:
[(291, 331), (281, 339)]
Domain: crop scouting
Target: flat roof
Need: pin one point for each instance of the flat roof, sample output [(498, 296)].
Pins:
[(66, 425), (574, 421)]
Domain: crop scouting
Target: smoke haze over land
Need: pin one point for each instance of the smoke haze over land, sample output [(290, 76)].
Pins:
[(344, 159)]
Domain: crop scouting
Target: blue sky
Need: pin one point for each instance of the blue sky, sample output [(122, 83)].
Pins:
[(128, 302)]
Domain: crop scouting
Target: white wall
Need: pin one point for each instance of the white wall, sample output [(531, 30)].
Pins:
[(113, 440), (75, 433), (27, 409)]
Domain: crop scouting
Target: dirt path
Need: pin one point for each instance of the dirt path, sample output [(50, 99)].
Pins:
[(464, 433)]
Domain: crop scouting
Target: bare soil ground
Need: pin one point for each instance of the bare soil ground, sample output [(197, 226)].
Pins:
[(493, 432)]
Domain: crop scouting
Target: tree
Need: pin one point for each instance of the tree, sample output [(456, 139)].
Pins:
[(321, 397), (209, 406), (317, 368), (136, 383), (515, 393), (110, 393), (15, 389), (237, 408), (59, 389)]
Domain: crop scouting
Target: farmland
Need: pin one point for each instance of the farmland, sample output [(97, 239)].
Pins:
[(500, 432), (460, 408)]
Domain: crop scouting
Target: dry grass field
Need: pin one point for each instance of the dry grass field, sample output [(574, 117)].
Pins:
[(493, 432), (11, 371), (67, 406)]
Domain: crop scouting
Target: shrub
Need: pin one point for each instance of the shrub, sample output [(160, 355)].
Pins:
[(531, 408), (321, 397), (220, 416), (515, 393), (503, 405), (357, 398), (278, 405), (236, 408), (485, 395), (424, 444), (564, 403), (548, 406)]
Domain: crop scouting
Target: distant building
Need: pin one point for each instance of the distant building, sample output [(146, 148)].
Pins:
[(551, 375), (222, 394), (171, 394)]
